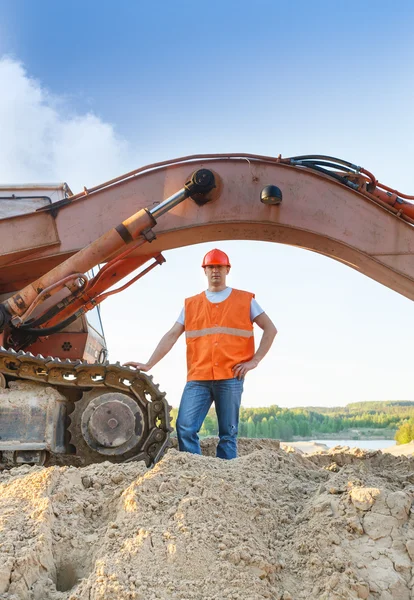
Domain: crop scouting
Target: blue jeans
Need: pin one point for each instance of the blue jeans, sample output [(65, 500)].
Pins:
[(196, 400)]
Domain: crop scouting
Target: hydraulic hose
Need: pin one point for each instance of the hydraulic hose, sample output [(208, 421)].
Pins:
[(46, 317), (49, 330), (325, 164), (326, 158), (313, 167)]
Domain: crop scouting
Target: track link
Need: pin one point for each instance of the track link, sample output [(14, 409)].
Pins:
[(97, 383)]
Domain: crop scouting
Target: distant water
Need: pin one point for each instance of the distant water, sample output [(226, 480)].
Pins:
[(364, 444)]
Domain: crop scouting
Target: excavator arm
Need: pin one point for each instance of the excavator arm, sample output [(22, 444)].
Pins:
[(84, 293)]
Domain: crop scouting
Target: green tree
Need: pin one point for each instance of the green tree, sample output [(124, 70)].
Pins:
[(210, 426), (404, 433), (303, 429), (264, 428), (286, 433), (272, 428), (242, 428), (251, 428)]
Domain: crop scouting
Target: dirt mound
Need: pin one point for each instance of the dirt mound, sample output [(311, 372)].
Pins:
[(269, 524), (245, 445)]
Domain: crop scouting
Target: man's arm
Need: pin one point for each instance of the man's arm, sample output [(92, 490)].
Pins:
[(163, 347), (269, 333)]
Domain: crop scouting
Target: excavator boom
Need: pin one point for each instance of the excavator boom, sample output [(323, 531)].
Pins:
[(318, 212)]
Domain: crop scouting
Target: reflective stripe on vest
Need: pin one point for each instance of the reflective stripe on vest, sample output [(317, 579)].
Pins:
[(213, 330)]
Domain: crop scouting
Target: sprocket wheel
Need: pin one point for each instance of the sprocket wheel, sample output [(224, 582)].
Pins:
[(107, 424)]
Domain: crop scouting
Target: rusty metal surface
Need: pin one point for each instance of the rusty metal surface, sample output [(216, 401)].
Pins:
[(317, 213), (98, 251), (78, 340), (70, 345), (28, 417), (130, 388), (109, 425)]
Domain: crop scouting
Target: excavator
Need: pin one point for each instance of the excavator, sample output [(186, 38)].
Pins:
[(59, 259)]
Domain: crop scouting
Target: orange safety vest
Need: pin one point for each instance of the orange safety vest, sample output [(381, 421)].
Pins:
[(218, 335)]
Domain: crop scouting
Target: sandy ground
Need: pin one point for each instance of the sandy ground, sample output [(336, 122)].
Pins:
[(402, 450), (310, 447), (305, 447), (273, 524)]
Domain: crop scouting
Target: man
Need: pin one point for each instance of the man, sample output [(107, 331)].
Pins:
[(218, 324)]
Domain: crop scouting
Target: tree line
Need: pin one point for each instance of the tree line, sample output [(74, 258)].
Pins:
[(284, 424)]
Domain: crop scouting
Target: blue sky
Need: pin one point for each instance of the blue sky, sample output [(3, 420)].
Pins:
[(93, 89)]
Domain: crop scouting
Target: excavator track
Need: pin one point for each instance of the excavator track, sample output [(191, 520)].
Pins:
[(113, 412)]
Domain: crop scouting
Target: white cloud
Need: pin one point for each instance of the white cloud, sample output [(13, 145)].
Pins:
[(42, 140)]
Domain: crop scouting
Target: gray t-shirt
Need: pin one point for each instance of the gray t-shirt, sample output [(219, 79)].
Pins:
[(216, 297)]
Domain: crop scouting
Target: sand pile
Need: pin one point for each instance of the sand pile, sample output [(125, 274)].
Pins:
[(270, 524)]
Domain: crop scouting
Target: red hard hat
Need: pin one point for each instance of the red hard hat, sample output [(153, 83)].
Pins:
[(216, 257)]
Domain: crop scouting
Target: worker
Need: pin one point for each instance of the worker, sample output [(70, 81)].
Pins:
[(218, 325)]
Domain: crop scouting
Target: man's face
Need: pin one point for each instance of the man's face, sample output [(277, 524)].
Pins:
[(216, 274)]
